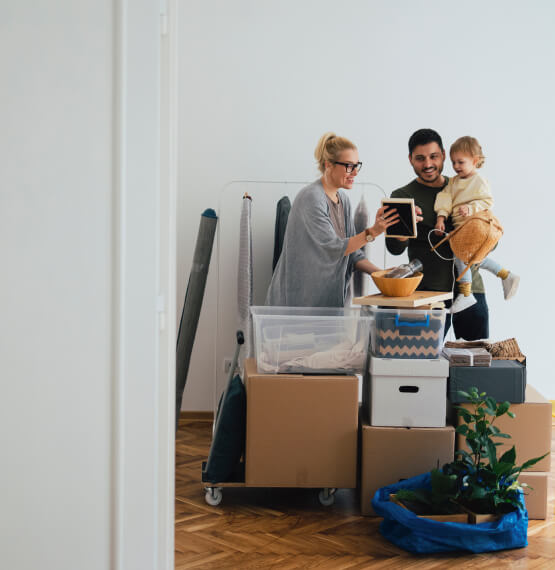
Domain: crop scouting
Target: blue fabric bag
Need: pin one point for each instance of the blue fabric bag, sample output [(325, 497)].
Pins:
[(404, 529)]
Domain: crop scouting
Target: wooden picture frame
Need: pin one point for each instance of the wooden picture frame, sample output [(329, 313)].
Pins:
[(406, 226)]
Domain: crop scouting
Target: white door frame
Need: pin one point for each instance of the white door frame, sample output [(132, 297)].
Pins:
[(144, 284)]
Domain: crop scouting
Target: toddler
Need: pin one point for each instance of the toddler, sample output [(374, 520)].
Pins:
[(465, 194)]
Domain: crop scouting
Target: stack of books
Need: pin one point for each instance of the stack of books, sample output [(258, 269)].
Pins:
[(471, 356)]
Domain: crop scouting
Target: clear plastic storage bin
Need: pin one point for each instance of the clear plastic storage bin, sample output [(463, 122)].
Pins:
[(407, 333), (310, 340)]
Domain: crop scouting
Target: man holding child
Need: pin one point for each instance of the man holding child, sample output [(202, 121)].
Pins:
[(427, 156)]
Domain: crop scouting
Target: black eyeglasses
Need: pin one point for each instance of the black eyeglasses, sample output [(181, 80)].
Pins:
[(349, 166)]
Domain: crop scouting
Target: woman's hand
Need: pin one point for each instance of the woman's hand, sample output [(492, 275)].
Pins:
[(385, 217), (464, 210)]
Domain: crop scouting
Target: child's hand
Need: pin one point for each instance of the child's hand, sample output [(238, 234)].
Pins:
[(440, 227), (464, 210)]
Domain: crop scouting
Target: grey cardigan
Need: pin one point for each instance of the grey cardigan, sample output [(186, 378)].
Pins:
[(312, 270)]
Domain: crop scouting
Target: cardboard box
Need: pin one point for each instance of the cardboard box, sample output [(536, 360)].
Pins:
[(535, 498), (301, 430), (389, 454), (530, 430), (406, 393), (504, 380)]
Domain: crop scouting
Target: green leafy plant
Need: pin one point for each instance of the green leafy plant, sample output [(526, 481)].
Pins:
[(469, 482)]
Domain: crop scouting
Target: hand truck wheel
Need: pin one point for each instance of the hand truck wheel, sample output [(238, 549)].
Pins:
[(326, 496), (213, 496)]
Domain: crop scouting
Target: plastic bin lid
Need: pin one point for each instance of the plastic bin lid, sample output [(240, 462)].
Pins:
[(409, 366), (275, 311)]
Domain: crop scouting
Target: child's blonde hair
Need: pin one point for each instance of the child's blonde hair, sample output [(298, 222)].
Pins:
[(471, 147), (329, 147)]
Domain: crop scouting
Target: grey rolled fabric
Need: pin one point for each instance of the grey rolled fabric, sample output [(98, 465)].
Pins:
[(244, 276), (282, 214), (193, 303), (360, 280)]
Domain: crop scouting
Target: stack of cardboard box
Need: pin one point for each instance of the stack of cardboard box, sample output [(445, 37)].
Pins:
[(530, 432), (302, 428), (302, 396), (403, 430)]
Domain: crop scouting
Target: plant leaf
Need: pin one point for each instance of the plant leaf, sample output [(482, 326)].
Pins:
[(491, 403), (509, 456), (478, 492), (502, 468), (502, 408), (531, 462), (491, 452), (443, 484), (465, 415), (464, 454), (505, 435), (474, 445), (473, 392)]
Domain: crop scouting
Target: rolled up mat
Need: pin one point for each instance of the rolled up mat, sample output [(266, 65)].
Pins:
[(193, 303), (244, 276), (282, 215)]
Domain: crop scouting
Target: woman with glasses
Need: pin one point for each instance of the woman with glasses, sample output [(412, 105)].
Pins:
[(320, 247)]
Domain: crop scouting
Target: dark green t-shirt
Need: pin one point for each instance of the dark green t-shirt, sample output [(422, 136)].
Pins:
[(438, 274)]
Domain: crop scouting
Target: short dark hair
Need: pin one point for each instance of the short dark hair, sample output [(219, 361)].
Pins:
[(424, 136)]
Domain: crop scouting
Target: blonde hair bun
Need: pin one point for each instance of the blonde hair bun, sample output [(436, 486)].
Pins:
[(329, 147)]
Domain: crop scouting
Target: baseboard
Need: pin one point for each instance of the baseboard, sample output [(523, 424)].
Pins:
[(199, 416)]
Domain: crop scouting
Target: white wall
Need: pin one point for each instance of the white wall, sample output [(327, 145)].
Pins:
[(261, 81), (82, 481), (55, 232)]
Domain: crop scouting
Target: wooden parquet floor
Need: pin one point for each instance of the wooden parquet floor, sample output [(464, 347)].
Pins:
[(289, 529)]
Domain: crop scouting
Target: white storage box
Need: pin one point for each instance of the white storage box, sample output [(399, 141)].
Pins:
[(312, 340), (407, 333), (408, 393)]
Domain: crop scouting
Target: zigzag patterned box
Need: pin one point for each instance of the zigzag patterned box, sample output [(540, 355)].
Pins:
[(407, 333)]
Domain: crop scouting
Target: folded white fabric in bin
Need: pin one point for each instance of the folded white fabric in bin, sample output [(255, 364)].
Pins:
[(342, 357)]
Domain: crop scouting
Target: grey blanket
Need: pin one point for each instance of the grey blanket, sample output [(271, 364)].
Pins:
[(312, 270), (245, 276)]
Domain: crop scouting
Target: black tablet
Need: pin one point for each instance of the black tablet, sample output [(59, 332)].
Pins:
[(406, 226)]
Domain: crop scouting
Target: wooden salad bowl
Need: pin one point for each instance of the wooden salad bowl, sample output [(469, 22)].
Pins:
[(395, 287)]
